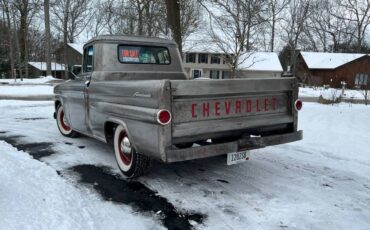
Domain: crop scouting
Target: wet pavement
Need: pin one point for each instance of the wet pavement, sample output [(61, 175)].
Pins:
[(113, 188), (36, 150)]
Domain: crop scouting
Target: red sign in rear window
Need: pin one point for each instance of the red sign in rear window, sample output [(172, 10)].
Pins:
[(143, 55), (130, 53)]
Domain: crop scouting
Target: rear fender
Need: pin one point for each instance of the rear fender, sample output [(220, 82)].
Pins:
[(120, 122)]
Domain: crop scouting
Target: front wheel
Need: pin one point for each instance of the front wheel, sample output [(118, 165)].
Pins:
[(63, 125), (130, 162)]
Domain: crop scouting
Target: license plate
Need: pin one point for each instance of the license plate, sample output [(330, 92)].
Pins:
[(238, 157)]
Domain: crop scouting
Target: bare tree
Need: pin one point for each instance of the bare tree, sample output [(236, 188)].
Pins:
[(189, 17), (27, 10), (71, 17), (47, 36), (6, 6), (275, 9), (174, 22), (298, 12), (328, 30), (108, 12), (17, 44), (233, 28), (357, 12)]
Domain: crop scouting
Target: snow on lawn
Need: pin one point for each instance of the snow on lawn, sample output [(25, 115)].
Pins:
[(29, 87), (26, 90), (34, 196), (330, 93), (40, 80), (321, 182)]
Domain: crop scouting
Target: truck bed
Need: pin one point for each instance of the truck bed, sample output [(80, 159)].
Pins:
[(224, 108)]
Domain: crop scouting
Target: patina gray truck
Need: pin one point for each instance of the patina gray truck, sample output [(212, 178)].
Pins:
[(133, 93)]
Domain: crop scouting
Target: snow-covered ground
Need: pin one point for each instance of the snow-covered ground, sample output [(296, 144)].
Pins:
[(26, 90), (34, 196), (28, 87), (321, 182), (330, 93), (40, 80)]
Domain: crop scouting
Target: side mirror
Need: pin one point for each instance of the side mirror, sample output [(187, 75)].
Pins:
[(76, 70)]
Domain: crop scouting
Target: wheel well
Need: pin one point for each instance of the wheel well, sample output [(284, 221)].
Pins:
[(109, 129), (57, 103)]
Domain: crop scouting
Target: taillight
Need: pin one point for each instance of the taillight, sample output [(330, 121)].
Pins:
[(163, 117), (298, 105)]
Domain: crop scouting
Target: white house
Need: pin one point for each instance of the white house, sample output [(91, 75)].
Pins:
[(259, 64), (206, 61)]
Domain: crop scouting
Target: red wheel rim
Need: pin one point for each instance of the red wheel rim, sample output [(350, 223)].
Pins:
[(125, 158), (64, 125)]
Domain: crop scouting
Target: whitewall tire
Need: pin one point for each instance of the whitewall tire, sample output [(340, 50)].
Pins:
[(130, 162), (63, 125)]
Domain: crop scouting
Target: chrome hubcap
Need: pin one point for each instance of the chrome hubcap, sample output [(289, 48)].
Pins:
[(126, 146)]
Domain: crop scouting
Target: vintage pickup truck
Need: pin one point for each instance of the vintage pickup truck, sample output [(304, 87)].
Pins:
[(133, 93)]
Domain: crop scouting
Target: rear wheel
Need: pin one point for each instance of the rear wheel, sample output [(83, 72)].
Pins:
[(130, 162), (63, 125)]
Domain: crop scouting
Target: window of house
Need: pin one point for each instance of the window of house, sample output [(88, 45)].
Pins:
[(197, 73), (190, 58), (361, 79), (214, 74), (215, 59), (225, 74), (203, 58), (132, 54), (88, 59)]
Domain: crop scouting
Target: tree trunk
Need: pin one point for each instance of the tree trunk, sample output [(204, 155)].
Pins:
[(173, 19), (24, 13), (47, 36), (149, 19), (131, 22), (10, 37), (18, 48), (65, 39), (359, 39), (273, 33), (140, 17)]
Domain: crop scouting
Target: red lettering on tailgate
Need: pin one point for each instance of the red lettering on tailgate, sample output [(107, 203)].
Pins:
[(258, 105), (266, 104), (193, 110), (249, 106), (238, 106), (205, 109), (227, 107), (217, 108)]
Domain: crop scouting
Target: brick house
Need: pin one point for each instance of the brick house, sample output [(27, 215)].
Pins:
[(333, 68)]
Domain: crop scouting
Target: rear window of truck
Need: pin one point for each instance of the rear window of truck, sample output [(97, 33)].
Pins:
[(132, 54)]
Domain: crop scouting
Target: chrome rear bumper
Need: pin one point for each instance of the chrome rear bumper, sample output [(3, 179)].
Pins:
[(249, 143)]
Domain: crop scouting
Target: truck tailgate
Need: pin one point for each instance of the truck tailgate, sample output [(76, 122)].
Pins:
[(208, 108)]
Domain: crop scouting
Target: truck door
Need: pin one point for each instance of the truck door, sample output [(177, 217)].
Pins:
[(79, 104)]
